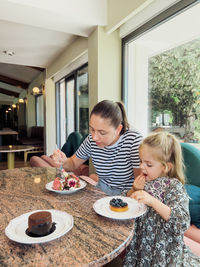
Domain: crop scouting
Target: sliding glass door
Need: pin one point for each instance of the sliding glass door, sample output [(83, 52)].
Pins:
[(72, 105)]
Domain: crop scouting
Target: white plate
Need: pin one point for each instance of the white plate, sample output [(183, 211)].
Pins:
[(135, 209), (49, 187), (16, 229)]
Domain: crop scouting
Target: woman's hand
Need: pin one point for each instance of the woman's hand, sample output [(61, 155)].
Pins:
[(59, 157), (143, 197), (139, 182)]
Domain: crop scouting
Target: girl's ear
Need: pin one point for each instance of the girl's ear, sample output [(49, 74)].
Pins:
[(168, 167)]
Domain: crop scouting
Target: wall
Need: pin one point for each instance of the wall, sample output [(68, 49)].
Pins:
[(50, 116), (72, 52), (30, 112), (30, 102), (104, 55), (120, 11)]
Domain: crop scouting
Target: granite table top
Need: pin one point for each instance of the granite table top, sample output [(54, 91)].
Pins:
[(93, 241), (15, 148)]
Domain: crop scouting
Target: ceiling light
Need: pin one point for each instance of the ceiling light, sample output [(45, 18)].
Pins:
[(21, 100), (8, 53), (13, 106), (35, 90)]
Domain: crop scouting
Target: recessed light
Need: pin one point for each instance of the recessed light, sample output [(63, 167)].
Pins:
[(8, 53)]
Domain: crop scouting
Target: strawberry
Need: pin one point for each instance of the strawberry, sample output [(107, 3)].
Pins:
[(57, 185)]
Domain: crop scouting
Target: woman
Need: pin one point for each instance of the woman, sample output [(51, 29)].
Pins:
[(111, 145)]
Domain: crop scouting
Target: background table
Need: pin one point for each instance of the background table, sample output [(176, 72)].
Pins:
[(7, 132), (10, 150), (93, 240)]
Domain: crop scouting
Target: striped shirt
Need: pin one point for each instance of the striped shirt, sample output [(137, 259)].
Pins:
[(114, 164)]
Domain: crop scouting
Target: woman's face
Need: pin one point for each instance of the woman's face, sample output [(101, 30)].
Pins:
[(103, 133)]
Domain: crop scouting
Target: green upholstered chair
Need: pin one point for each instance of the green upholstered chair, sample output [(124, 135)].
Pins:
[(191, 156), (72, 144)]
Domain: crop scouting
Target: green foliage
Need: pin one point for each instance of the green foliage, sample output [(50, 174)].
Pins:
[(174, 82)]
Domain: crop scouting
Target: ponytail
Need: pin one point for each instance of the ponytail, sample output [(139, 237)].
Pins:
[(114, 111), (124, 121)]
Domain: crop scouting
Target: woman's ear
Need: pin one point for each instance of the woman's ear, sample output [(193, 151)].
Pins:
[(119, 128)]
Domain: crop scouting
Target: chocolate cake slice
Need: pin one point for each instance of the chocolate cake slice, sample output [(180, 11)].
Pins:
[(40, 223)]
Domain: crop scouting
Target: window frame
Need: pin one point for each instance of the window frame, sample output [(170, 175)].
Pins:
[(154, 22)]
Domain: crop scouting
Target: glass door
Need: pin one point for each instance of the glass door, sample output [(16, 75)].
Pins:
[(82, 101), (72, 105)]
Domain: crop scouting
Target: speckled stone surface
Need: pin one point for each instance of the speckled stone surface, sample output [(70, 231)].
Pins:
[(93, 241)]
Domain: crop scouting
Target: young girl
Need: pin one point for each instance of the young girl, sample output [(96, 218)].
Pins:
[(112, 147), (158, 239)]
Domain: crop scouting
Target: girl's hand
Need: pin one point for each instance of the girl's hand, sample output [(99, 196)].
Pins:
[(143, 197), (59, 157), (139, 182)]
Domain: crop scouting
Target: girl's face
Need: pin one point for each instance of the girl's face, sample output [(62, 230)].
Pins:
[(103, 133), (150, 166)]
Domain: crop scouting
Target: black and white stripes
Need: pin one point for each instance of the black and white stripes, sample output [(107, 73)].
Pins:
[(114, 164)]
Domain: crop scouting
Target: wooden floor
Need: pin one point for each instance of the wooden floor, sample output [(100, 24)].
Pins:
[(19, 162)]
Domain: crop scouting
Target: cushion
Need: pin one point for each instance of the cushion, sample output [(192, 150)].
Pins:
[(194, 203), (191, 156), (193, 233), (194, 246), (72, 144)]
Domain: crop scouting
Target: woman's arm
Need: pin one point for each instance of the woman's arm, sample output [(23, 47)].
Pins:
[(69, 164), (72, 163)]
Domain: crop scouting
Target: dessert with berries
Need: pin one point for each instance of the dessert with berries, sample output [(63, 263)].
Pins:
[(70, 181), (118, 205)]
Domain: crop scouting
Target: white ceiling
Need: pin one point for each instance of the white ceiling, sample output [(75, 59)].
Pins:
[(37, 31)]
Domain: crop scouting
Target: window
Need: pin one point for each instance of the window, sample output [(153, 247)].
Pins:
[(72, 105), (39, 101), (159, 62)]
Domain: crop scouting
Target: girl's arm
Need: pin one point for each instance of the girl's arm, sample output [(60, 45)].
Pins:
[(176, 200), (143, 197), (161, 208)]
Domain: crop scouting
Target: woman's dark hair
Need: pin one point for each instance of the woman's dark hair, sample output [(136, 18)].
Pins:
[(114, 111)]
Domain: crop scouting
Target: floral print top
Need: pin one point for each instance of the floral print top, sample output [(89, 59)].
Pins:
[(159, 243)]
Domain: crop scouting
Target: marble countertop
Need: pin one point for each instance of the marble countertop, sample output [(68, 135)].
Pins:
[(15, 148), (8, 132), (93, 241)]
